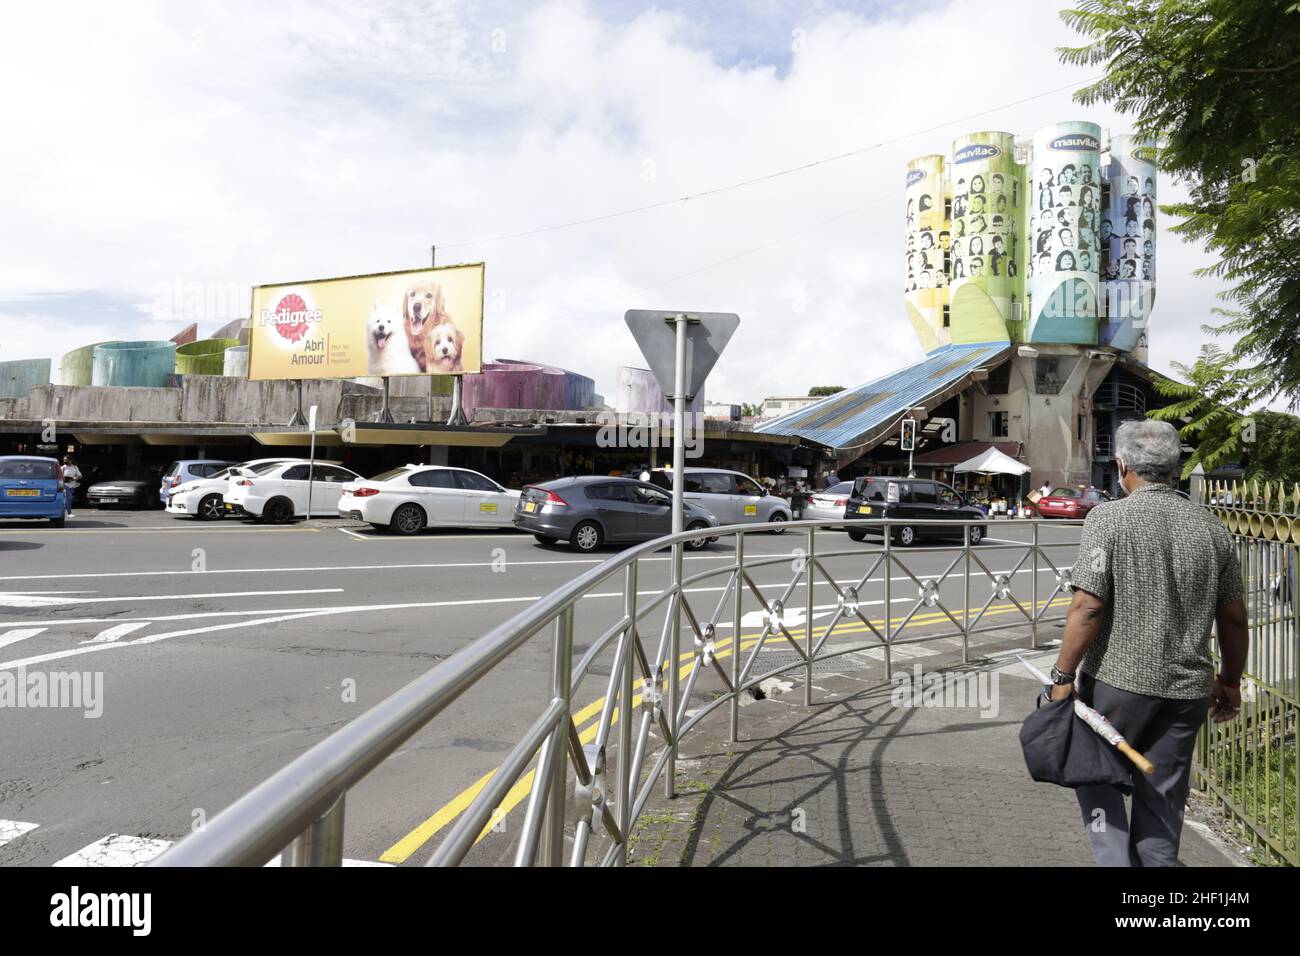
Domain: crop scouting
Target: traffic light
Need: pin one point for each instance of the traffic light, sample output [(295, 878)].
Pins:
[(908, 439)]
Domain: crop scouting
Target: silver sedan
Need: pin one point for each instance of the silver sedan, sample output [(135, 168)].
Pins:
[(828, 505)]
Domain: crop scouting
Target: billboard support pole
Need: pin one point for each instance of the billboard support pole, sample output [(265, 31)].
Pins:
[(385, 412), (457, 416), (297, 421)]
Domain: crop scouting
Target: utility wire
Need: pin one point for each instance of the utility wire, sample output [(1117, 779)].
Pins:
[(717, 190)]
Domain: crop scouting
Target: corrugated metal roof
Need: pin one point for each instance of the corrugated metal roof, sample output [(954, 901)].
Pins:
[(851, 417)]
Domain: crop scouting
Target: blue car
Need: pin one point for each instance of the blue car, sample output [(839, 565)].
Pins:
[(32, 487), (188, 469)]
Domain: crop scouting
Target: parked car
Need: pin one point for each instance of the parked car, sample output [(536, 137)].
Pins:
[(188, 469), (591, 511), (1070, 502), (414, 497), (733, 496), (909, 499), (203, 498), (828, 505), (137, 488), (277, 493), (32, 486)]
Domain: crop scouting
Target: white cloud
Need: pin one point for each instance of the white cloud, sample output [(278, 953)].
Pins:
[(157, 147)]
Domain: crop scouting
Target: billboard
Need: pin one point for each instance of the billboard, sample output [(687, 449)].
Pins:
[(418, 322)]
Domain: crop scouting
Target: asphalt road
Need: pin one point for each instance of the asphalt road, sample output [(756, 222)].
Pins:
[(227, 649)]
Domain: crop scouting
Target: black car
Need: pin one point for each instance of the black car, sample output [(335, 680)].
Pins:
[(589, 511), (906, 499), (136, 488)]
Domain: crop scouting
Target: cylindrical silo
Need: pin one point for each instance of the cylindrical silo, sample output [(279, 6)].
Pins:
[(926, 288), (203, 357), (1128, 236), (986, 196), (234, 361), (139, 364), (78, 366), (1064, 223)]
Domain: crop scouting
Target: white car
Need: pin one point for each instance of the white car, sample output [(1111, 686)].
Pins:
[(414, 497), (202, 498), (277, 493)]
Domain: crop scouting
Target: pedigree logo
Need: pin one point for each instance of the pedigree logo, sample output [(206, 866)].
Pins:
[(975, 152), (1075, 143), (291, 317), (914, 176)]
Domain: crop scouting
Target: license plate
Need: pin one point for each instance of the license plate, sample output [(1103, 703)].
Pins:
[(530, 506), (751, 510), (229, 506), (487, 508), (22, 493), (864, 509), (108, 501)]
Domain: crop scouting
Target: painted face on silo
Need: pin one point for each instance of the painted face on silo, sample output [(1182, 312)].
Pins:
[(998, 183), (976, 184), (1105, 230), (976, 267), (1085, 261)]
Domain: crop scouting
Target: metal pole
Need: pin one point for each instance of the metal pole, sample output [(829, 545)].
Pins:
[(386, 412), (321, 844), (626, 785), (965, 613), (679, 487), (457, 416), (735, 639), (561, 669), (808, 619), (311, 467), (297, 420), (887, 534), (1033, 618)]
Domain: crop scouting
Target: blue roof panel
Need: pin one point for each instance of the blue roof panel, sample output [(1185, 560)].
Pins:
[(843, 419)]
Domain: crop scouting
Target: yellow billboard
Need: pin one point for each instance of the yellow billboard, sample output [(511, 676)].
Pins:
[(419, 322)]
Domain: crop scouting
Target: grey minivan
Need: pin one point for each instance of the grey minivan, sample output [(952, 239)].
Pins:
[(733, 496), (591, 510)]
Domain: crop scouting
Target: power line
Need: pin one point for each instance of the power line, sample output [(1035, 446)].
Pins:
[(717, 190)]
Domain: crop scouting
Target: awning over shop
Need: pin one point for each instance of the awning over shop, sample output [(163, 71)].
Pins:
[(865, 415), (992, 462)]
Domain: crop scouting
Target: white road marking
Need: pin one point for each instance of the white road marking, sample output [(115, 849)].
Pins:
[(116, 632), (118, 850), (11, 830), (20, 634), (22, 600), (352, 534)]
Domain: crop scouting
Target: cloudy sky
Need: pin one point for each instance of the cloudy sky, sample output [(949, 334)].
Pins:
[(161, 158)]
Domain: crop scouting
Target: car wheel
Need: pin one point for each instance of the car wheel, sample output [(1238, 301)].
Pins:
[(408, 519), (586, 536), (278, 511), (778, 518), (211, 508), (545, 539), (697, 544), (976, 534), (906, 536), (857, 534)]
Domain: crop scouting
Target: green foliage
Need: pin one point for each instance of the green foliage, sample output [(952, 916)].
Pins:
[(820, 391), (1216, 83), (1275, 453)]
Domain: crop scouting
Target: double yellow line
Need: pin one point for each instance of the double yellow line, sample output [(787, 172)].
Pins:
[(402, 850)]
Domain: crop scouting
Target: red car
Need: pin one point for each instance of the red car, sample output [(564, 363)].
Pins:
[(1070, 502)]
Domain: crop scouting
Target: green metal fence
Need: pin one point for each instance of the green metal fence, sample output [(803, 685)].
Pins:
[(1249, 766)]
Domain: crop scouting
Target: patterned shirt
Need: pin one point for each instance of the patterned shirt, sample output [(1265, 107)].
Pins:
[(1163, 566)]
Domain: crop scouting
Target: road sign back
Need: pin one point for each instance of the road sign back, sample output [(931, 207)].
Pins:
[(707, 334)]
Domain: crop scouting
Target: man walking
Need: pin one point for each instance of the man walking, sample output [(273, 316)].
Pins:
[(1155, 574)]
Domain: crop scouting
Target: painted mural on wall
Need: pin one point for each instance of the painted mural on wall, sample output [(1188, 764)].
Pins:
[(1065, 223), (985, 244)]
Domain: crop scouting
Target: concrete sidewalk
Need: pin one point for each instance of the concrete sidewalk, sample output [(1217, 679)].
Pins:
[(857, 781)]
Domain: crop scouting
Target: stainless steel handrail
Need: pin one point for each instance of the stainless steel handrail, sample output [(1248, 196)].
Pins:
[(298, 811)]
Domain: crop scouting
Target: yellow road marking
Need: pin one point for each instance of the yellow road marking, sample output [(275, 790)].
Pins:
[(402, 850)]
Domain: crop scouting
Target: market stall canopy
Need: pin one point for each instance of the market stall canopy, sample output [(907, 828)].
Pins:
[(992, 462)]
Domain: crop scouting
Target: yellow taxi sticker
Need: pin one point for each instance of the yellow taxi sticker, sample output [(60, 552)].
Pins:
[(487, 507), (751, 509)]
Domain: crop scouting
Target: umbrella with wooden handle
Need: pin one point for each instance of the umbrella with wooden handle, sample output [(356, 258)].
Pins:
[(1104, 728)]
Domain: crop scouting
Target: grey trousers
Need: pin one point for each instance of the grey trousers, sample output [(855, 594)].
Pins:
[(1164, 729)]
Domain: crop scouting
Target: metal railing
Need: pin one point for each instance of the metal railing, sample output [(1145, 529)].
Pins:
[(1249, 766), (299, 811)]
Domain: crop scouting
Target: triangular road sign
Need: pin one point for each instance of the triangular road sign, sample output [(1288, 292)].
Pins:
[(707, 334)]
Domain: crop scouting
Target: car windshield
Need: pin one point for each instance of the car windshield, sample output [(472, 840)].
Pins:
[(263, 468), (28, 469)]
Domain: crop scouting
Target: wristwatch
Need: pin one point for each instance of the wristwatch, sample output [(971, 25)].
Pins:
[(1061, 677)]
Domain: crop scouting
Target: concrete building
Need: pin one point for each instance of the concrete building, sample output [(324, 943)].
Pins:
[(775, 407), (1029, 281)]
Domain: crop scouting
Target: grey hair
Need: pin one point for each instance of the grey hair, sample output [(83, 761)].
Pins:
[(1149, 449)]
